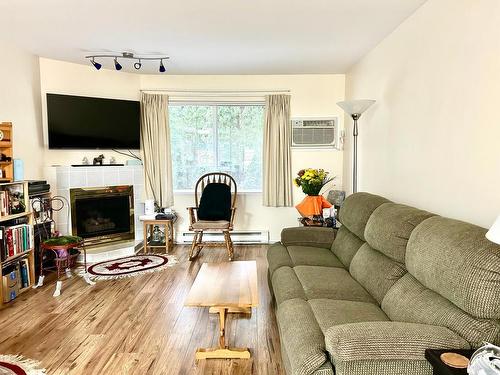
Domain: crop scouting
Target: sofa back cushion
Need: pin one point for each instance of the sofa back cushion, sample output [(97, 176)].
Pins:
[(379, 263), (389, 228), (356, 211), (346, 245), (455, 260), (354, 215), (409, 301), (375, 271)]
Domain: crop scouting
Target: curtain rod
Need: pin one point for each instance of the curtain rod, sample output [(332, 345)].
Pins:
[(216, 91)]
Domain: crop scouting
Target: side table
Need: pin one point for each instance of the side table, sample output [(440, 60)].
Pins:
[(439, 367), (149, 225)]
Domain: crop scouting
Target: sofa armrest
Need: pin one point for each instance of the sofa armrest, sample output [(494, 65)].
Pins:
[(388, 341), (308, 236)]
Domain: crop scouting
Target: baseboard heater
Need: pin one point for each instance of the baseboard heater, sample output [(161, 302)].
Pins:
[(238, 237)]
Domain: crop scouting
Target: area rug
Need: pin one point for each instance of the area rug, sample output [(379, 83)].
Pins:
[(130, 266), (18, 365)]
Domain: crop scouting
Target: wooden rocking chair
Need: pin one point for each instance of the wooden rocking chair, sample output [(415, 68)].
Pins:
[(214, 211)]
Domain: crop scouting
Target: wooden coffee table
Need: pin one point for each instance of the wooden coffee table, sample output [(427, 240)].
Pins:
[(229, 287)]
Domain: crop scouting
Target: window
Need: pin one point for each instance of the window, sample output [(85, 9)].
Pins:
[(217, 138)]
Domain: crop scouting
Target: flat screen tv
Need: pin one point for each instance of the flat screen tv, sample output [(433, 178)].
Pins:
[(78, 122)]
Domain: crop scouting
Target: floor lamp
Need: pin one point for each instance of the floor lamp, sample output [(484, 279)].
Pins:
[(355, 109)]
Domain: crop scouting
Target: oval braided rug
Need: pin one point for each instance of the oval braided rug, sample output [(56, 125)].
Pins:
[(130, 266), (18, 365)]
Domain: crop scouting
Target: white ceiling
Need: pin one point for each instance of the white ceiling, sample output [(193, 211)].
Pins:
[(208, 36)]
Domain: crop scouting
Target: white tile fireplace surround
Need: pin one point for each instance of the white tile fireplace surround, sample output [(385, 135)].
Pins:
[(64, 178)]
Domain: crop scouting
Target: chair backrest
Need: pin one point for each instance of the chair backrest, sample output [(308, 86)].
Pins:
[(215, 177)]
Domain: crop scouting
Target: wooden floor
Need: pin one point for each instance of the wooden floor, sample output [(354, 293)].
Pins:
[(139, 325)]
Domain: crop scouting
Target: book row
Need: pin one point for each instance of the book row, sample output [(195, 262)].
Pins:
[(15, 240)]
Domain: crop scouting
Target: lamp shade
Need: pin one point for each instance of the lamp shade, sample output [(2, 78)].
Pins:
[(494, 233), (355, 107)]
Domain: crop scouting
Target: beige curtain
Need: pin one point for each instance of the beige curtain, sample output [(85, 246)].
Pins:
[(156, 150), (277, 155)]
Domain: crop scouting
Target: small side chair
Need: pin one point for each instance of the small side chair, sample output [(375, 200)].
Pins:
[(215, 199)]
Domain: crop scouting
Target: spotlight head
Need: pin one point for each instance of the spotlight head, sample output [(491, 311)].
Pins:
[(96, 64), (162, 68), (117, 65), (138, 65)]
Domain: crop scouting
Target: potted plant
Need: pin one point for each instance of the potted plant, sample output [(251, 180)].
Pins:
[(312, 181)]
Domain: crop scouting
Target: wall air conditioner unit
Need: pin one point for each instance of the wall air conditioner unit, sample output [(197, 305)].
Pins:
[(318, 132)]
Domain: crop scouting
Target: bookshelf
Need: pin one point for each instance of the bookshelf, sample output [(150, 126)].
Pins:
[(21, 257), (6, 167)]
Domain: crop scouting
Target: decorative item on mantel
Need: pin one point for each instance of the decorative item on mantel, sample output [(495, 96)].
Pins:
[(312, 181), (98, 160)]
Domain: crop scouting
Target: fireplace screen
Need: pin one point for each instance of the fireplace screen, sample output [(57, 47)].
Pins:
[(102, 215)]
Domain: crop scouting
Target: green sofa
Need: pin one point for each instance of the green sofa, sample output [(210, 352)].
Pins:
[(391, 282)]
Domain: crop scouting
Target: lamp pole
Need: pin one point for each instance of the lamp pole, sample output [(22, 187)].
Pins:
[(355, 117), (355, 109)]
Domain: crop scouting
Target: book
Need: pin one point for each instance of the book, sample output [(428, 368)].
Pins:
[(15, 240), (25, 282)]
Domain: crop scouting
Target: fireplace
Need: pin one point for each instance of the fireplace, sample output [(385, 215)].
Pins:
[(103, 215)]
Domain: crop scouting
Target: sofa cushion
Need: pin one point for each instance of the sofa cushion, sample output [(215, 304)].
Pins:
[(346, 245), (389, 227), (376, 272), (356, 211), (409, 301), (277, 256), (329, 312), (330, 282), (280, 256), (455, 259), (313, 256), (301, 336), (386, 347), (286, 285)]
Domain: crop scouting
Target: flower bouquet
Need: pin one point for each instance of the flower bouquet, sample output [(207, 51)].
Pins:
[(312, 181)]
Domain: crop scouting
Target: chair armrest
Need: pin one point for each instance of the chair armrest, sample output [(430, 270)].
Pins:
[(308, 236), (388, 341), (192, 215)]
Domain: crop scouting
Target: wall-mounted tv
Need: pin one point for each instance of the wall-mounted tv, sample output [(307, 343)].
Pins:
[(78, 122)]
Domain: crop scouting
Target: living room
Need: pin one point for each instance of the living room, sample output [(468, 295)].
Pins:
[(394, 269)]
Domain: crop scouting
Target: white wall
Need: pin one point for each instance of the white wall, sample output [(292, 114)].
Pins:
[(20, 104), (432, 139), (312, 95)]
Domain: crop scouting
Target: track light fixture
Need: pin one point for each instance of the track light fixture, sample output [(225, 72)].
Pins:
[(128, 55), (96, 64), (117, 65)]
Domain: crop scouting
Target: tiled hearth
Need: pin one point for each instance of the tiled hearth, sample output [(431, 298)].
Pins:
[(66, 177)]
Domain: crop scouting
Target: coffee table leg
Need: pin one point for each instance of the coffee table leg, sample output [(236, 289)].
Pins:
[(222, 351), (222, 327), (233, 310)]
